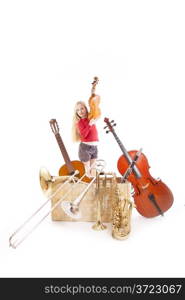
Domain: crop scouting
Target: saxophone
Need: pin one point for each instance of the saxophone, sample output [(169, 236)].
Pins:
[(120, 205), (121, 211)]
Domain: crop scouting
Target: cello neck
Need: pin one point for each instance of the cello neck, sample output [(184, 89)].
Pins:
[(123, 149), (126, 154)]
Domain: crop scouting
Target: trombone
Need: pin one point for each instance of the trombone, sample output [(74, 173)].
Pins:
[(72, 208), (46, 181)]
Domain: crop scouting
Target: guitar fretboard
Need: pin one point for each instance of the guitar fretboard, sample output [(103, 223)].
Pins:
[(64, 153)]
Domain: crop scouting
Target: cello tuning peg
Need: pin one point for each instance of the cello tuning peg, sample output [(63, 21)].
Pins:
[(114, 124), (105, 127), (107, 131), (112, 121)]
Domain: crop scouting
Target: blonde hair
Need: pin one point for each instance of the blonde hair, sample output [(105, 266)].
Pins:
[(76, 118)]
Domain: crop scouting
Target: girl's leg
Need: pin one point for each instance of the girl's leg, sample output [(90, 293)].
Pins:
[(93, 171), (87, 168)]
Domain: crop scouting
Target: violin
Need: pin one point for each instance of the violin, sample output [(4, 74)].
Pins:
[(94, 102), (151, 196)]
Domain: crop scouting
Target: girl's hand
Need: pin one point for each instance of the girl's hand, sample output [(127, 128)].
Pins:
[(92, 122)]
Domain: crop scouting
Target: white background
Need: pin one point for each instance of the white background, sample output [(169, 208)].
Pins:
[(50, 51)]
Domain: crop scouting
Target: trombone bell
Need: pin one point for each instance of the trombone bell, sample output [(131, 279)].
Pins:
[(45, 178)]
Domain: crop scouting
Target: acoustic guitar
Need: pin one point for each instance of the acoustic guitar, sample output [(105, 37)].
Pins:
[(70, 166)]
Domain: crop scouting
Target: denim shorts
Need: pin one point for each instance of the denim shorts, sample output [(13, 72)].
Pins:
[(87, 152)]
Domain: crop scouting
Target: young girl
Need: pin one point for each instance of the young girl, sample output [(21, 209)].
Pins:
[(85, 131)]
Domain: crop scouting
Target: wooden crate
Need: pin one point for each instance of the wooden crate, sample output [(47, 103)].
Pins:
[(88, 205)]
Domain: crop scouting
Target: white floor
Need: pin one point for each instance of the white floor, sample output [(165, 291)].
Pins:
[(155, 248), (50, 51)]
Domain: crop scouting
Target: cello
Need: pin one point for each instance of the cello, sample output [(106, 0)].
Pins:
[(151, 196)]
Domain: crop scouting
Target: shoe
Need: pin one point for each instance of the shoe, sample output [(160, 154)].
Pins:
[(70, 210)]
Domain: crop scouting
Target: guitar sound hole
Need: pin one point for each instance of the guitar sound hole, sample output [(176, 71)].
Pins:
[(71, 173)]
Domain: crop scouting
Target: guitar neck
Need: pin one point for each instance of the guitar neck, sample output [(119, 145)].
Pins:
[(64, 153), (129, 159)]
